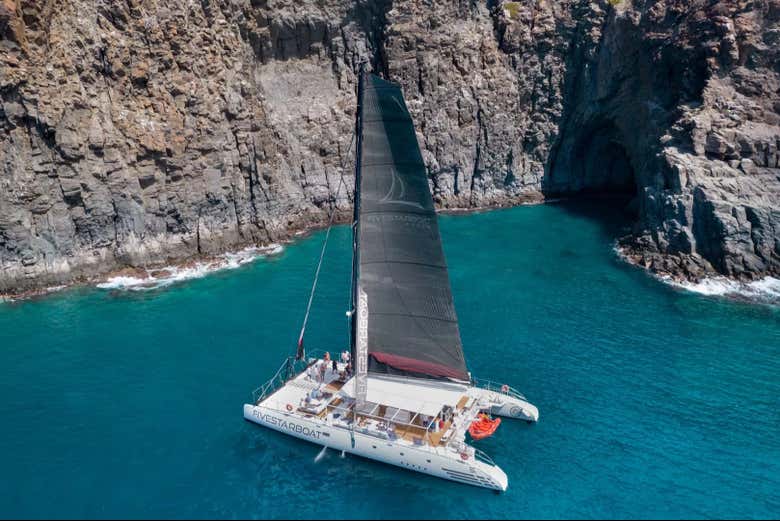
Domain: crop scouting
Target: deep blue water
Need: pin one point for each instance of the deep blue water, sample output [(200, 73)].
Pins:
[(654, 402)]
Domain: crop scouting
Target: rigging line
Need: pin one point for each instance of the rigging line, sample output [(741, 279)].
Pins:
[(333, 210), (317, 273)]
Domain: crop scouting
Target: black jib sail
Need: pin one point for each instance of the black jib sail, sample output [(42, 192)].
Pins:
[(406, 322)]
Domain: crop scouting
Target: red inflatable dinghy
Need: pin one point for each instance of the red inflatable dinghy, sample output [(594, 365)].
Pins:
[(483, 427)]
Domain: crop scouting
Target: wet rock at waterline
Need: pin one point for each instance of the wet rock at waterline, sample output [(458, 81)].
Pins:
[(139, 134)]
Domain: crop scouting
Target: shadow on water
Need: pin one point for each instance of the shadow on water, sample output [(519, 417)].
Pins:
[(612, 212)]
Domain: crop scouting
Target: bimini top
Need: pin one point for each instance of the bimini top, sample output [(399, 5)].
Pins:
[(413, 395), (402, 279)]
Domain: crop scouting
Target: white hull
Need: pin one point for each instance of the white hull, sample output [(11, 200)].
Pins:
[(410, 423), (501, 404), (436, 461)]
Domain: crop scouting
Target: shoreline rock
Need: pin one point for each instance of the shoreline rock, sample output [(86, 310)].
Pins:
[(677, 269), (292, 234)]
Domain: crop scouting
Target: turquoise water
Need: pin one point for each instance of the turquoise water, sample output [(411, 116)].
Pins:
[(654, 402)]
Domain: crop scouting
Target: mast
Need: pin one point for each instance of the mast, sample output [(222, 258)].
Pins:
[(356, 215)]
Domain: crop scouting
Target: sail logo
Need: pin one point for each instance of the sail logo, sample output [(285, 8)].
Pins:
[(419, 222), (361, 383), (285, 425), (402, 106), (397, 192)]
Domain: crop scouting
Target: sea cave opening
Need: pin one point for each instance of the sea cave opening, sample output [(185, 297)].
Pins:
[(596, 164), (601, 165), (594, 176)]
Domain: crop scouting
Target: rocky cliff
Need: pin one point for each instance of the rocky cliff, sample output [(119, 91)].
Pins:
[(142, 132)]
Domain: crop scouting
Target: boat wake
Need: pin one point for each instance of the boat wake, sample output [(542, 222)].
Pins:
[(766, 290), (321, 454), (149, 279)]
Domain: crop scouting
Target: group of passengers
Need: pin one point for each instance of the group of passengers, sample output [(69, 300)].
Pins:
[(320, 368)]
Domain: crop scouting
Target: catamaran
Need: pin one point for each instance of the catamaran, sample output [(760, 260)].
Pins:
[(402, 393)]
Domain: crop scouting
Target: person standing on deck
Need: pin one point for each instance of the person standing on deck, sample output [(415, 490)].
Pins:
[(323, 366)]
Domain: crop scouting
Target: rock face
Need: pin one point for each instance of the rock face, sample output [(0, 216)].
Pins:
[(137, 133)]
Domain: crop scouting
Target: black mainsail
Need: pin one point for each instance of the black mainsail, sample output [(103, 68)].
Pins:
[(404, 320)]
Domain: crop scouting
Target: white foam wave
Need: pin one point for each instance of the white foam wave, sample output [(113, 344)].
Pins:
[(161, 277), (764, 290)]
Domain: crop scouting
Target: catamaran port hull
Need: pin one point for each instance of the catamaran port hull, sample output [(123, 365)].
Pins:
[(440, 462), (507, 405), (514, 408)]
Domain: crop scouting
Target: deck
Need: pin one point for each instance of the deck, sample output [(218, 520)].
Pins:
[(406, 410)]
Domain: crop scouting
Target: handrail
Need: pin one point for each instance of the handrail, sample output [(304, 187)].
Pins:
[(289, 369), (484, 458), (496, 388), (279, 378), (320, 355)]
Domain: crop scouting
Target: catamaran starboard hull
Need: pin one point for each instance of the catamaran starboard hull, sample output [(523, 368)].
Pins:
[(442, 464)]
